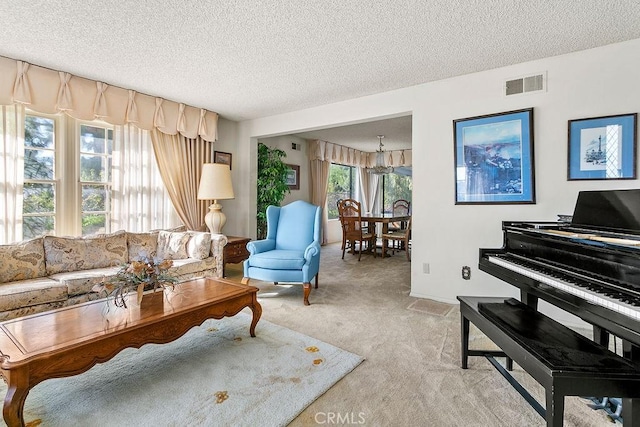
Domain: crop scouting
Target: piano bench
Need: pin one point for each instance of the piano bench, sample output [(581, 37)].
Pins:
[(564, 362)]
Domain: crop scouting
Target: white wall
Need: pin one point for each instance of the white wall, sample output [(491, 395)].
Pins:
[(592, 83)]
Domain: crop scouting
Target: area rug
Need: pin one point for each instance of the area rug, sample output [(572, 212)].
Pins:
[(215, 375)]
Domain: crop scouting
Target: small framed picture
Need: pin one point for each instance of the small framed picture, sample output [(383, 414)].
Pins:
[(602, 148), (293, 177), (494, 158), (222, 157)]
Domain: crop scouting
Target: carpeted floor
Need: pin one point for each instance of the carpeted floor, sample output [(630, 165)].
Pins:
[(215, 375), (411, 375)]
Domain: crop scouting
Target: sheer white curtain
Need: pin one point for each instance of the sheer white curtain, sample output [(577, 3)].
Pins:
[(368, 188), (12, 172), (139, 197)]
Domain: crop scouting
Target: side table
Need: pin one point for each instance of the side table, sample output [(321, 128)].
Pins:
[(235, 251)]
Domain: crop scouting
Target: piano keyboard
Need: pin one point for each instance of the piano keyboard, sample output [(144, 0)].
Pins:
[(596, 294)]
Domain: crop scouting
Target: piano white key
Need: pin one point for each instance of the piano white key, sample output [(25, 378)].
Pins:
[(593, 297)]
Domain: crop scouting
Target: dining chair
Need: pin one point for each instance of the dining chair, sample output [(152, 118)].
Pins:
[(400, 207), (350, 213), (403, 236)]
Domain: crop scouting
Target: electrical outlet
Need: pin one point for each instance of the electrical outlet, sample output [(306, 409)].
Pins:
[(466, 272)]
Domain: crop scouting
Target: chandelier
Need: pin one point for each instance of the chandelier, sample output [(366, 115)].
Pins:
[(380, 168)]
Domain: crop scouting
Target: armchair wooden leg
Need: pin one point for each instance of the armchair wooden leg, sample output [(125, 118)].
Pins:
[(307, 291), (245, 281), (316, 281)]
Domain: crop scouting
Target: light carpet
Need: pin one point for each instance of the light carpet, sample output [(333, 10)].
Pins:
[(215, 375)]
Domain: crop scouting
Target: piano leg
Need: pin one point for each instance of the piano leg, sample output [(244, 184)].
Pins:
[(601, 336), (630, 407), (528, 299)]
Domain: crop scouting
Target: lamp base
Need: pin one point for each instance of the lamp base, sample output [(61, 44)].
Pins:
[(215, 219)]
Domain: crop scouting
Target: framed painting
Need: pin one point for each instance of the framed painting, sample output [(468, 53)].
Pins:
[(494, 158), (602, 148), (293, 177), (222, 157)]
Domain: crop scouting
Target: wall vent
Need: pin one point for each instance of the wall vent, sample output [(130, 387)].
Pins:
[(295, 146), (527, 84)]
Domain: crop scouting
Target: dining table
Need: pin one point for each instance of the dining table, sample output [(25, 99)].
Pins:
[(372, 218)]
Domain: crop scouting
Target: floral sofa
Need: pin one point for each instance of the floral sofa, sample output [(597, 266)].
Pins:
[(50, 272)]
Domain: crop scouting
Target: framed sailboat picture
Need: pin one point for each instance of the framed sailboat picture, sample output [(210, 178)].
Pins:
[(602, 148)]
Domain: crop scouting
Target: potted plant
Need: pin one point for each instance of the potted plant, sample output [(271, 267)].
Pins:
[(272, 183)]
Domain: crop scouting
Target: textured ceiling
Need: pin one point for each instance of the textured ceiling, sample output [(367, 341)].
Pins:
[(247, 58)]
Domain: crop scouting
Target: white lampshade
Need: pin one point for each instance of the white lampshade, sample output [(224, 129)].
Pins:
[(215, 184)]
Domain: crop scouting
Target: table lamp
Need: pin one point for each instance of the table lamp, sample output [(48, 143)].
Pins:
[(215, 184)]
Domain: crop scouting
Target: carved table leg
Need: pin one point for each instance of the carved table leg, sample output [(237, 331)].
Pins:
[(256, 308), (18, 389)]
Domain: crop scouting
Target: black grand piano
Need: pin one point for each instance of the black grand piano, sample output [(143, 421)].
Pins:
[(588, 266)]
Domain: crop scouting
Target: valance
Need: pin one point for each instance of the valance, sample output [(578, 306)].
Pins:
[(328, 151), (49, 91)]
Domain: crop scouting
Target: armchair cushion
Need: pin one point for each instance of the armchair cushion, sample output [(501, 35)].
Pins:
[(278, 259)]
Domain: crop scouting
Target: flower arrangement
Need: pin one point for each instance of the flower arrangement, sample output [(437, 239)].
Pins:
[(144, 274)]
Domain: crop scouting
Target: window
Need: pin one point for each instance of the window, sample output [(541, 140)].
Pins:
[(96, 148), (342, 184), (39, 190), (70, 177), (396, 185)]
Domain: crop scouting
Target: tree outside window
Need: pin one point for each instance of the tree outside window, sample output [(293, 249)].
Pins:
[(396, 186), (39, 190), (341, 186)]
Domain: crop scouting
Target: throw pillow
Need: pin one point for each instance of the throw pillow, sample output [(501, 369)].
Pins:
[(142, 245), (199, 246), (21, 261), (172, 245), (63, 254)]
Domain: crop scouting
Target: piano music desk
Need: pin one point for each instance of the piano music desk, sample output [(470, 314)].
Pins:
[(564, 362)]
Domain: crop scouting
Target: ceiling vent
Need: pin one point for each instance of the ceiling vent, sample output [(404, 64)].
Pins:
[(527, 84)]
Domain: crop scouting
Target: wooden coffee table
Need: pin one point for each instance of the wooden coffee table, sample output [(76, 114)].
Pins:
[(70, 340)]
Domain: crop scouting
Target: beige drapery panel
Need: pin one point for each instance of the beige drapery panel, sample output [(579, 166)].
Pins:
[(319, 183), (335, 153), (319, 186), (49, 91), (180, 161)]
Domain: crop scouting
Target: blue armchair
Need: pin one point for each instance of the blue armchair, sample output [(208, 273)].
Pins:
[(291, 251)]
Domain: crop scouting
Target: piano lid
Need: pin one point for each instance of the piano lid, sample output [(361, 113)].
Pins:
[(608, 210)]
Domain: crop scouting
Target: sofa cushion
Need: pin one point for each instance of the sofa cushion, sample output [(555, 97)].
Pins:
[(81, 282), (25, 293), (173, 245), (21, 261), (142, 245), (85, 253), (199, 245), (278, 259), (188, 266)]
